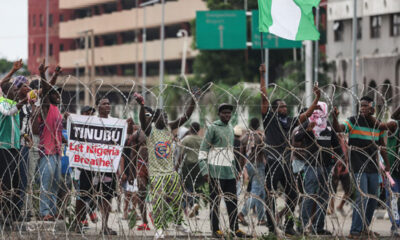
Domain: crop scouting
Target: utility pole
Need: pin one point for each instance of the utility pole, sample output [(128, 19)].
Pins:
[(137, 42), (87, 77), (47, 36), (354, 59), (93, 69), (161, 87)]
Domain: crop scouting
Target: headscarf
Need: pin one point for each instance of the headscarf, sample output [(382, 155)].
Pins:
[(320, 117), (19, 81)]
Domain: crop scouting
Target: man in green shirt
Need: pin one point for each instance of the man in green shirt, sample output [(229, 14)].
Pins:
[(217, 151)]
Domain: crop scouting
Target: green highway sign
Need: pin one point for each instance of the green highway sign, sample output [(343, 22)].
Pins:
[(269, 40), (221, 30)]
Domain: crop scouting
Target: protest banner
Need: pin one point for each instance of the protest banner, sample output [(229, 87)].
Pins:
[(95, 143)]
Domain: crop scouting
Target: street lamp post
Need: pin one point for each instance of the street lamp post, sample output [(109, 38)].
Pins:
[(162, 53), (183, 33), (144, 38)]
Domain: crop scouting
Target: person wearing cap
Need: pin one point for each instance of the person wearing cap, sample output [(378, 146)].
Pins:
[(217, 164), (47, 122), (10, 143), (165, 182)]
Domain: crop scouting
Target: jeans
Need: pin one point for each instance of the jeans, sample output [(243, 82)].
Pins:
[(316, 190), (257, 193), (50, 171), (23, 174), (363, 210), (392, 200)]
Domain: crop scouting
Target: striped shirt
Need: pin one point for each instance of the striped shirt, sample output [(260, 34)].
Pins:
[(364, 142)]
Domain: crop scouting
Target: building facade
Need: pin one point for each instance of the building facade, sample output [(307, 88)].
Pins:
[(37, 21), (378, 43), (117, 26)]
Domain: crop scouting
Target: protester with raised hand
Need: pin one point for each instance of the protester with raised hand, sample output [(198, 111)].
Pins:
[(10, 140), (16, 66), (320, 145), (278, 126), (23, 88), (366, 141), (140, 158), (47, 121), (166, 186)]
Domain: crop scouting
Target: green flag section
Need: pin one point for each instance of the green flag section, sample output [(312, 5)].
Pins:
[(221, 30), (270, 41), (290, 19)]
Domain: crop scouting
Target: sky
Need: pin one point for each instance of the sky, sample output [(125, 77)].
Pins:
[(14, 29)]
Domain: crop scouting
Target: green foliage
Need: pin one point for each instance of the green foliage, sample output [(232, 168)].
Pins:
[(6, 66)]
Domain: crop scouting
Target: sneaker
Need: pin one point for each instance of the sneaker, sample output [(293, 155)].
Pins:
[(194, 210), (218, 234), (290, 232), (143, 227), (240, 234), (85, 223), (159, 234), (93, 217), (183, 229)]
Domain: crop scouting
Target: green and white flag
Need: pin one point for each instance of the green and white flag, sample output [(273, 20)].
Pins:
[(290, 19)]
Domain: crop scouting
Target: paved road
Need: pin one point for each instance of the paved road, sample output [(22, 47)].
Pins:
[(200, 226)]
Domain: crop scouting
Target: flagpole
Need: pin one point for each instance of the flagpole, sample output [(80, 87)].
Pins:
[(309, 72), (262, 47), (316, 57)]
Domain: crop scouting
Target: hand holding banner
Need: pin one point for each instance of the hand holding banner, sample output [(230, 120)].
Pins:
[(95, 143)]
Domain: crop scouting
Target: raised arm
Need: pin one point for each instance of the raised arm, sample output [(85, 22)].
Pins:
[(16, 66), (144, 124), (335, 122), (396, 114), (188, 113), (56, 73), (263, 89), (303, 117)]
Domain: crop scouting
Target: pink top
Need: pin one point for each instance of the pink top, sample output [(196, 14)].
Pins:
[(51, 132)]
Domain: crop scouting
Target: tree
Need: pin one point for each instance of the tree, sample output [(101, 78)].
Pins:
[(5, 67)]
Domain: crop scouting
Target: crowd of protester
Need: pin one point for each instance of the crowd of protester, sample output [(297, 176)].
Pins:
[(301, 159)]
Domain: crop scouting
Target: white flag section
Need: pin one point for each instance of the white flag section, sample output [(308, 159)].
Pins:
[(290, 19), (95, 143)]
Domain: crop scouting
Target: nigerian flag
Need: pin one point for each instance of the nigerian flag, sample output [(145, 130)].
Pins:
[(290, 19)]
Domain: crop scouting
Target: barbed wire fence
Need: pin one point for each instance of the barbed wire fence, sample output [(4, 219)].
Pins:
[(20, 203)]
